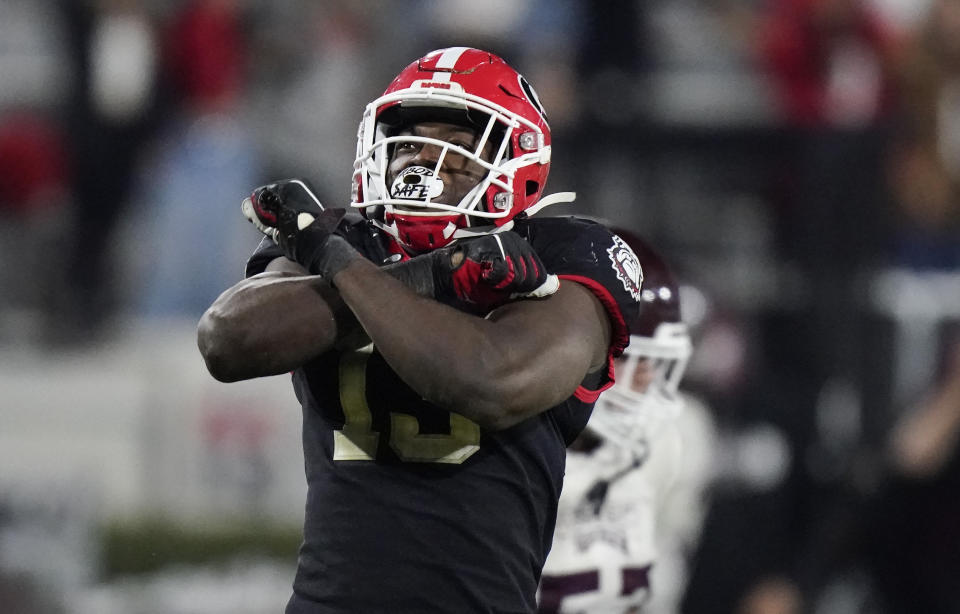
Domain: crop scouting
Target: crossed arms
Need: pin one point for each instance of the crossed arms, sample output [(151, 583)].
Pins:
[(523, 358)]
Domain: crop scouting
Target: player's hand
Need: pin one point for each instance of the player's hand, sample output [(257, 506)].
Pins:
[(290, 213), (489, 270)]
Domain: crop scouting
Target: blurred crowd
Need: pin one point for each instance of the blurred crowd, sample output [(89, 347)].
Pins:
[(797, 160)]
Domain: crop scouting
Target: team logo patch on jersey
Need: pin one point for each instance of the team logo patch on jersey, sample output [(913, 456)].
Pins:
[(627, 266)]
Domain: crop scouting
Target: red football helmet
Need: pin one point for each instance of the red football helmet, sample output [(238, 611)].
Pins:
[(649, 372), (457, 85)]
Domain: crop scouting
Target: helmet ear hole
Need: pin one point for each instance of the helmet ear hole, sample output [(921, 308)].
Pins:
[(532, 187)]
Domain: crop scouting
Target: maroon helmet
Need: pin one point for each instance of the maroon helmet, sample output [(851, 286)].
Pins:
[(649, 372), (659, 296)]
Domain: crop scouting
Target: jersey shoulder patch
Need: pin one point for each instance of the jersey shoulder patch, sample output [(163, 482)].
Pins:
[(626, 265), (589, 253)]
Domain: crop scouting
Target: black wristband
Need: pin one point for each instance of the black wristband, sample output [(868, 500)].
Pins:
[(416, 273), (334, 256)]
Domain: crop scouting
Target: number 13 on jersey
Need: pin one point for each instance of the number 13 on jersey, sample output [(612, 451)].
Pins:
[(358, 441)]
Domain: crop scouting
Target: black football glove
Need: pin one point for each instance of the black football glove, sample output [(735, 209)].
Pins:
[(290, 213), (479, 274), (491, 269)]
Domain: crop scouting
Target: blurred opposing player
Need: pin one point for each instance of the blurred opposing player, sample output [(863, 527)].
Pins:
[(630, 503)]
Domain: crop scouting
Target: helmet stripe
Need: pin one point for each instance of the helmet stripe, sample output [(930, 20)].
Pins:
[(448, 59)]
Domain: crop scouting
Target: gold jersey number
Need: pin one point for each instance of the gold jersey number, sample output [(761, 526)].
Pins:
[(358, 441)]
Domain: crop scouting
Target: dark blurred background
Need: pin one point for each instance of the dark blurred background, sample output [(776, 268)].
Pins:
[(797, 161)]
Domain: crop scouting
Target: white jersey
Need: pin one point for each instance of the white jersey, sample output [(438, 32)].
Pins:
[(609, 551)]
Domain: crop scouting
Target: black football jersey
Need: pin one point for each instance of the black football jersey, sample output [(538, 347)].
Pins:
[(412, 508)]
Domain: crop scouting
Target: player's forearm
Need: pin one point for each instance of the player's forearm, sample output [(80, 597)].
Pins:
[(276, 321), (269, 324), (455, 360)]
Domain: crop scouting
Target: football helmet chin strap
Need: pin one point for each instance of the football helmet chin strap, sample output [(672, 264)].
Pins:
[(546, 201)]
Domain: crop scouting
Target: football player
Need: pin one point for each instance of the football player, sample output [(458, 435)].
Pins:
[(446, 346), (629, 505)]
